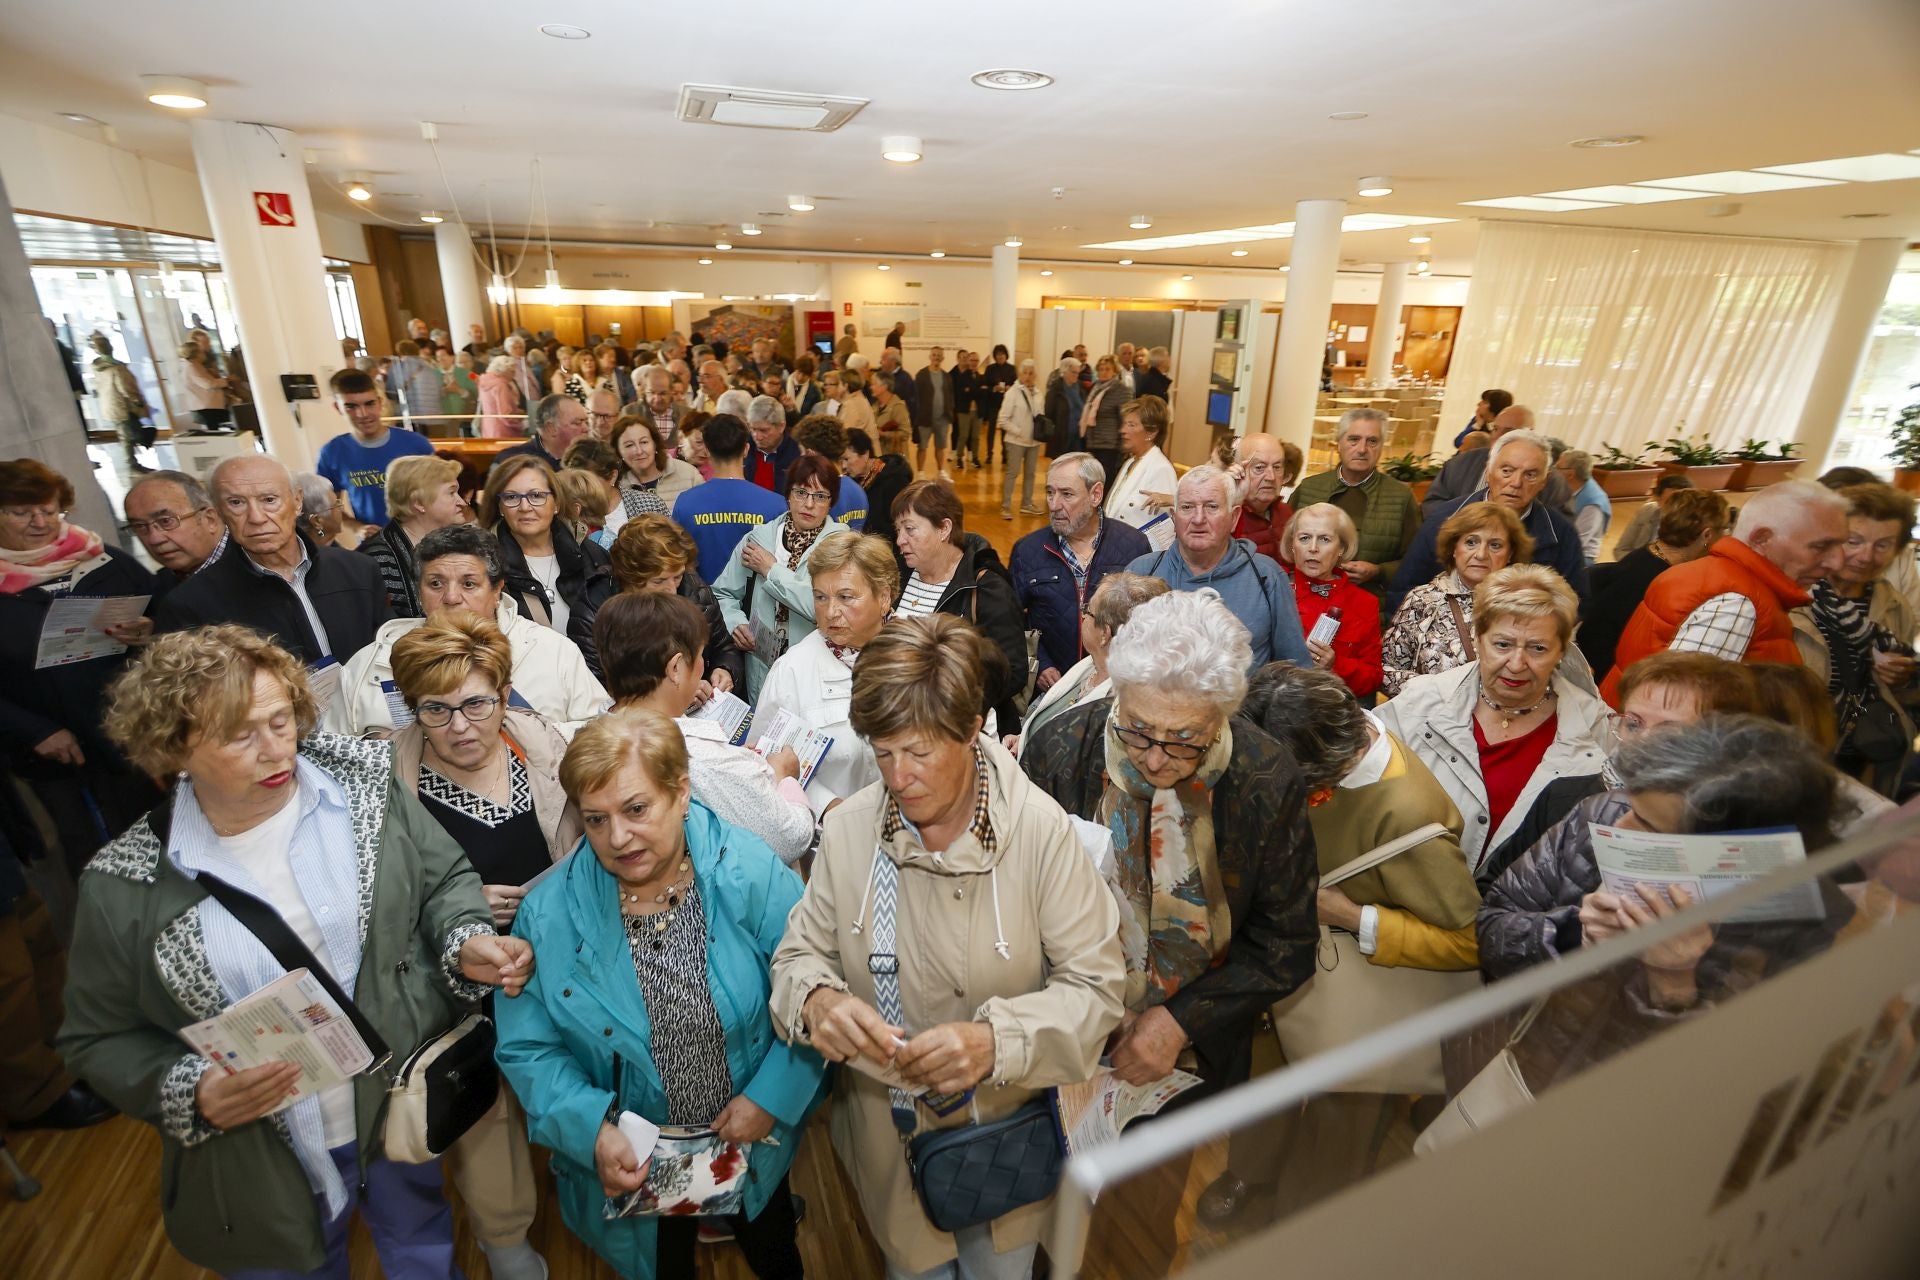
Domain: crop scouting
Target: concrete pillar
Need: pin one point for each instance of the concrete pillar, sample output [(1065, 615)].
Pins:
[(38, 415), (1862, 295), (460, 281), (1384, 339), (270, 254), (1312, 265), (1004, 319)]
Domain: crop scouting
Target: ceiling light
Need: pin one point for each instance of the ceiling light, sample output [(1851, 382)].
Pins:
[(1422, 238), (1348, 115), (1011, 78), (1239, 253), (563, 31), (1737, 182), (900, 149), (1609, 140), (1014, 242), (1373, 188), (1270, 231), (722, 245), (883, 267), (431, 218), (938, 253), (706, 262), (359, 187), (749, 228), (800, 204), (78, 117), (1186, 277), (1139, 222), (1539, 204), (1286, 268), (1126, 262), (1047, 272), (182, 93), (497, 290), (1623, 194), (1881, 168)]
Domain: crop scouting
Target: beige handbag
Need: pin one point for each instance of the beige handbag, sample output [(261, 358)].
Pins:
[(1350, 997), (441, 1091), (1497, 1092)]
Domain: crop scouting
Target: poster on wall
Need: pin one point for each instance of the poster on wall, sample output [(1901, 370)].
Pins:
[(880, 317), (740, 324)]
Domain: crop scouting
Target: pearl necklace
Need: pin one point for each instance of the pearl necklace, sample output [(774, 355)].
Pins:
[(1507, 715), (671, 896)]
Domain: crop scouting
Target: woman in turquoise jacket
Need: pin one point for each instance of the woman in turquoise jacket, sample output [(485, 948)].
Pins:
[(666, 914)]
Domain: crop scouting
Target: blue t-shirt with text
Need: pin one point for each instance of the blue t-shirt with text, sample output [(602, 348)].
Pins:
[(719, 513), (360, 472)]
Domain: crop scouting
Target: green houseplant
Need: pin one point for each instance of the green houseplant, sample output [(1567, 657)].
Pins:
[(1624, 475), (1708, 467), (1761, 464), (1410, 468), (1905, 446)]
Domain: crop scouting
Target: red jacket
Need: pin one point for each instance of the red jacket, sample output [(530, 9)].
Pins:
[(1356, 646), (1731, 566), (1264, 533)]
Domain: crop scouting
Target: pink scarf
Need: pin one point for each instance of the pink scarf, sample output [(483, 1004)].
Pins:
[(21, 570)]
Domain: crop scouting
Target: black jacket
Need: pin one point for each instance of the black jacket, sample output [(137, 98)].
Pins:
[(966, 390), (987, 400), (580, 564), (345, 588), (392, 550), (1152, 383), (981, 591), (882, 488), (1614, 592), (722, 654)]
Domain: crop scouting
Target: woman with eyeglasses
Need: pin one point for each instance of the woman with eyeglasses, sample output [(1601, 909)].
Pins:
[(765, 592), (548, 569), (52, 715)]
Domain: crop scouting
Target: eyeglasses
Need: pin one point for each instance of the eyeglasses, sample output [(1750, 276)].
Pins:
[(537, 498), (1259, 468), (26, 514), (1173, 750), (164, 523), (436, 714), (809, 495)]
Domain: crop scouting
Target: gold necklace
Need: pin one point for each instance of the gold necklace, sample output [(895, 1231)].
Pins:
[(1507, 717)]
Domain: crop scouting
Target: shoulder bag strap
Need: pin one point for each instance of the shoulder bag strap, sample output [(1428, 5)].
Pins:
[(1385, 853), (264, 923), (1460, 624), (883, 965)]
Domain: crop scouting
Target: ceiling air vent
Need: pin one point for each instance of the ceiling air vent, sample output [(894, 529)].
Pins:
[(765, 108)]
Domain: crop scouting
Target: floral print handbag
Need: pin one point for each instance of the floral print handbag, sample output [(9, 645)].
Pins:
[(692, 1172)]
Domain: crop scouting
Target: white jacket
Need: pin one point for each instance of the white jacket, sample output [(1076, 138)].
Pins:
[(1433, 716), (1017, 411), (548, 674), (1149, 472), (740, 787), (818, 689)]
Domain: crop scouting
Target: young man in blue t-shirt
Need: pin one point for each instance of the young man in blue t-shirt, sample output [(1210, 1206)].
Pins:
[(718, 514), (356, 463)]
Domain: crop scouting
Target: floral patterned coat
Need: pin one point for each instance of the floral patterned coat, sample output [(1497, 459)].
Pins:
[(1424, 637)]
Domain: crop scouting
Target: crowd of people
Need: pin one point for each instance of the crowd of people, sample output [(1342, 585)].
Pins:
[(484, 761)]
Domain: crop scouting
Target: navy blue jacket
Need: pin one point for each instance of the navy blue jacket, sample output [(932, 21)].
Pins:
[(1045, 586), (1556, 544)]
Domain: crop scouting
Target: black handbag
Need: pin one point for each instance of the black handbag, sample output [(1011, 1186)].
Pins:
[(1878, 734), (1042, 424), (979, 1172)]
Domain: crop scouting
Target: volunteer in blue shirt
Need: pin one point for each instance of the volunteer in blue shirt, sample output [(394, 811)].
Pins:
[(356, 462), (720, 512)]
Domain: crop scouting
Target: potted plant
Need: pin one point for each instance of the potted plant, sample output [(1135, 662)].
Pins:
[(1699, 461), (1905, 447), (1761, 465), (1415, 470), (1624, 475)]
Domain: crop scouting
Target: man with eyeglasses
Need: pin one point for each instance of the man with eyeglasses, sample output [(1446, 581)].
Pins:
[(1382, 509), (1259, 463), (356, 462), (173, 516), (657, 402), (318, 602), (603, 408), (1206, 554), (555, 423), (773, 449)]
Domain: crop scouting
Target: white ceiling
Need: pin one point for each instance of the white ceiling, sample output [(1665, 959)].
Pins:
[(1204, 116)]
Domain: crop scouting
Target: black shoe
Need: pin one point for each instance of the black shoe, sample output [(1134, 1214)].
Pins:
[(77, 1108), (799, 1209), (1223, 1200)]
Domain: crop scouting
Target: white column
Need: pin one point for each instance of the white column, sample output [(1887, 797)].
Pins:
[(459, 280), (1005, 317), (1312, 264), (275, 275), (1861, 297), (1384, 339)]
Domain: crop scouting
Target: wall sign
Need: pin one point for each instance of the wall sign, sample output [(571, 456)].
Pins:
[(275, 208), (846, 308)]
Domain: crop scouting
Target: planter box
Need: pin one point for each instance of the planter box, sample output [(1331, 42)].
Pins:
[(1749, 476), (1908, 481), (1708, 478), (1420, 487), (1631, 482)]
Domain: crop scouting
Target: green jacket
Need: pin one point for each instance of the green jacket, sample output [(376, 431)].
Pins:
[(138, 972), (1387, 530)]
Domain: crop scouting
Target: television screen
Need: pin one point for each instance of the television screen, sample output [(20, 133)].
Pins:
[(1220, 408)]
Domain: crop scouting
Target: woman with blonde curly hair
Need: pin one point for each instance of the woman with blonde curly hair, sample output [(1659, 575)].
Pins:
[(314, 832), (652, 553)]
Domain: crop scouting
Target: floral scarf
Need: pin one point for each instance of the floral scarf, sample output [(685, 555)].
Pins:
[(23, 570), (1174, 921), (796, 541)]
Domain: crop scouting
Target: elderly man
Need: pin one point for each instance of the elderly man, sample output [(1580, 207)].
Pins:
[(555, 423), (773, 449), (1124, 355), (173, 516), (1517, 470), (1381, 508), (526, 379), (477, 345), (966, 400), (1056, 569), (355, 462), (933, 412), (1206, 554), (1734, 602), (764, 363), (461, 568), (1260, 465), (603, 407), (653, 384), (901, 380), (1463, 471), (713, 385), (317, 602)]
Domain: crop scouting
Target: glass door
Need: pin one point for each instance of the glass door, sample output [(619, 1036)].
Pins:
[(83, 301)]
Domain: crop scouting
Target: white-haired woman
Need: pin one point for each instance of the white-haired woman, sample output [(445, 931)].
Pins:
[(1023, 403), (500, 406), (1500, 731), (1318, 540)]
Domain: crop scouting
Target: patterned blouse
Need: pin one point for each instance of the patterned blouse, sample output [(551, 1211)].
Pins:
[(689, 1044), (1424, 637)]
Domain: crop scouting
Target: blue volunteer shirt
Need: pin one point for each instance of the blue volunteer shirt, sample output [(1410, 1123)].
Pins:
[(850, 509), (718, 514), (360, 472)]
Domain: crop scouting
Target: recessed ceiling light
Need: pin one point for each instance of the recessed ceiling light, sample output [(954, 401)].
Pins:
[(565, 31), (1139, 222), (1014, 242), (883, 267), (749, 228), (722, 245), (800, 204), (1348, 115), (1422, 238), (78, 117), (1737, 182), (1186, 277), (1269, 231), (1881, 168), (1047, 272), (1286, 268), (706, 262), (1011, 78), (431, 217), (1375, 187), (1126, 262), (1624, 194), (900, 148), (182, 93), (1609, 140), (938, 253), (359, 187), (1539, 204), (1239, 253)]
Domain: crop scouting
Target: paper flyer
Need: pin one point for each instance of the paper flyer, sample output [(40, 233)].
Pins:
[(1093, 1113), (75, 629), (784, 730), (291, 1019), (1706, 866), (725, 710)]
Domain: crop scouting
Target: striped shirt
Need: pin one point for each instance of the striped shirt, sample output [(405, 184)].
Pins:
[(920, 597)]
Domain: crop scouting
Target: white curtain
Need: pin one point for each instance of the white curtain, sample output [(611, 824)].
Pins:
[(1618, 337)]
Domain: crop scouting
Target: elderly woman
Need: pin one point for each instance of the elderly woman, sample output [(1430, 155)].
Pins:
[(461, 568), (855, 580), (764, 591), (642, 464), (322, 515), (1100, 416), (1433, 631), (1857, 636), (653, 553), (653, 641), (206, 389), (1691, 521), (1143, 491), (661, 928), (1063, 406), (692, 446), (1012, 982), (490, 776), (957, 573), (1497, 731), (1317, 541), (548, 569), (500, 406), (318, 831), (1108, 608), (423, 494)]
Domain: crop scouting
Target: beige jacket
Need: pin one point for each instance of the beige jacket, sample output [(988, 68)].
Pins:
[(540, 745), (1051, 1000)]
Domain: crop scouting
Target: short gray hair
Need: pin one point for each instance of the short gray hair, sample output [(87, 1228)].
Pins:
[(1311, 712), (1734, 773), (463, 540), (1084, 465), (1580, 462), (1363, 414), (1184, 643), (1119, 594), (765, 409), (733, 401), (1024, 364), (1788, 501), (501, 365), (1206, 473), (1513, 438), (317, 494), (858, 362), (190, 487), (544, 412)]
